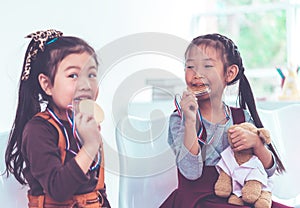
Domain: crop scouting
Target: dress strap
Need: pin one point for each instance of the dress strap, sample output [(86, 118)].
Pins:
[(100, 183), (238, 115)]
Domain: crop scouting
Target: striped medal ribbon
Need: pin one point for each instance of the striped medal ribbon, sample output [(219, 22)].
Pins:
[(76, 136)]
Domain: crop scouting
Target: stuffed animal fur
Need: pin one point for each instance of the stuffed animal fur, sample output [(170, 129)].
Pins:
[(251, 190)]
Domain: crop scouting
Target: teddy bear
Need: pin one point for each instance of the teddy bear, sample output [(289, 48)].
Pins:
[(242, 176)]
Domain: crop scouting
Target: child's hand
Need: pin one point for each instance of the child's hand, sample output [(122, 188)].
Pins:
[(189, 106), (243, 139), (88, 129)]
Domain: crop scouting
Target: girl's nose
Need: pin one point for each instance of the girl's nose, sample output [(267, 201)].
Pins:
[(83, 83), (197, 75)]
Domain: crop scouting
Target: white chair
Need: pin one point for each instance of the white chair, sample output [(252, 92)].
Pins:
[(148, 171), (12, 194), (284, 126)]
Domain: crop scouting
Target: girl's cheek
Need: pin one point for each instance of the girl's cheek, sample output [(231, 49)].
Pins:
[(188, 77), (74, 87)]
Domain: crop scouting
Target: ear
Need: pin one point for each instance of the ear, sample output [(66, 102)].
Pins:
[(231, 72), (45, 83)]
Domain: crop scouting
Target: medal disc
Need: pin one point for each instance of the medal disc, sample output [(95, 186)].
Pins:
[(91, 107)]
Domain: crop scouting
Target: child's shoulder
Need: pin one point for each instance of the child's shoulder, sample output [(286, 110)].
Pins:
[(39, 126), (37, 121), (39, 134)]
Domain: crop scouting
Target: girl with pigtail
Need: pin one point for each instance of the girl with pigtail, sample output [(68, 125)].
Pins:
[(61, 163), (198, 128)]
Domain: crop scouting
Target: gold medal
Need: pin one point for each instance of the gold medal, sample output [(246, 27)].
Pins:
[(199, 90), (91, 107)]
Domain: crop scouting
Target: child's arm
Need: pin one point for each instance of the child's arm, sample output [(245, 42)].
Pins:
[(189, 108), (245, 139), (190, 165), (263, 154)]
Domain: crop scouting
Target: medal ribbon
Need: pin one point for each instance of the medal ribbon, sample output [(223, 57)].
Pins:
[(75, 134)]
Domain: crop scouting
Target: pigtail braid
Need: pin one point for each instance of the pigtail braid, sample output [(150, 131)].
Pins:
[(246, 99)]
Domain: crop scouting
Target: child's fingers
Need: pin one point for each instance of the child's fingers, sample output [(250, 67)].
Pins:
[(84, 122), (188, 99), (84, 117), (78, 118), (187, 94), (87, 118), (234, 132), (236, 136), (239, 148), (234, 129), (239, 141)]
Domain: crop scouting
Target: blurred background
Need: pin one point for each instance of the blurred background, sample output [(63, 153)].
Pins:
[(266, 32)]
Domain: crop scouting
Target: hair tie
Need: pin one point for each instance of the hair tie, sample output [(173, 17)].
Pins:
[(40, 39)]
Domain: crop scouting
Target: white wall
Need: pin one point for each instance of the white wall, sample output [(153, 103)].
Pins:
[(97, 21)]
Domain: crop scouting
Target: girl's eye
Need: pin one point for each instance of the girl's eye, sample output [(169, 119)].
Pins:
[(92, 75), (73, 76), (190, 67), (208, 66)]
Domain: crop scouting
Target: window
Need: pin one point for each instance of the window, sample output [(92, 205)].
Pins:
[(266, 34)]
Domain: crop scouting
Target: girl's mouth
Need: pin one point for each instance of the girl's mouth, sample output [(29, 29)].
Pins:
[(199, 89), (79, 98)]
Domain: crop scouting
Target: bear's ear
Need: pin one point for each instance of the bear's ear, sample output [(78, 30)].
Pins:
[(264, 135), (248, 126)]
